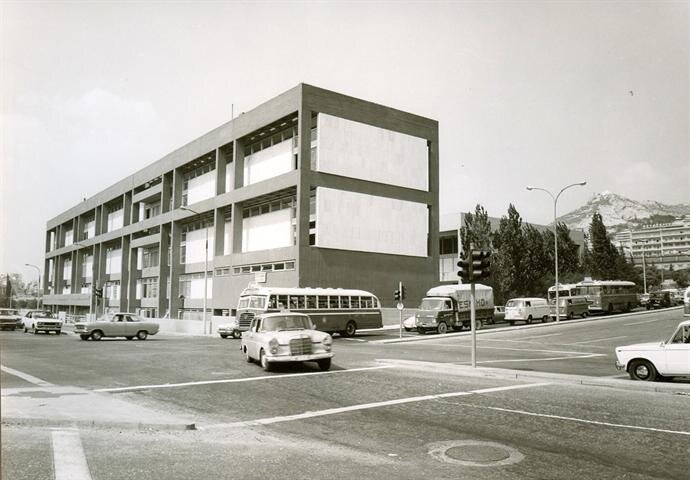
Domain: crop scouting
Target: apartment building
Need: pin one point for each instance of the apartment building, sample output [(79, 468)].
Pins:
[(665, 245), (312, 188)]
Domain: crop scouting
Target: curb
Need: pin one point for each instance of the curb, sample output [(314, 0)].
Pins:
[(523, 327), (560, 378), (66, 423)]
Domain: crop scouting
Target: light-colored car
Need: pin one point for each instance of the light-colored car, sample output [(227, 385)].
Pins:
[(10, 319), (286, 337), (651, 361), (128, 325), (499, 314), (527, 310), (41, 321), (230, 329), (409, 324)]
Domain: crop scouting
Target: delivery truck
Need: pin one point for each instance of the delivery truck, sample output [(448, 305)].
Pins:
[(448, 307)]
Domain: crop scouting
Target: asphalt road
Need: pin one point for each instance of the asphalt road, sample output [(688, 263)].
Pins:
[(116, 409)]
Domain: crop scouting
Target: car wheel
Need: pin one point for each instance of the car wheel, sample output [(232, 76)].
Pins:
[(96, 335), (529, 320), (247, 357), (478, 324), (236, 334), (265, 364), (58, 332), (408, 329), (142, 334), (35, 332), (84, 337), (511, 322), (570, 315), (129, 337), (584, 314), (642, 370), (26, 329), (442, 328), (544, 319), (421, 331), (223, 335), (324, 364)]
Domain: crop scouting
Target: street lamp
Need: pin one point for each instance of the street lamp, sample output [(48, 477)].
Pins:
[(40, 290), (555, 231), (205, 264)]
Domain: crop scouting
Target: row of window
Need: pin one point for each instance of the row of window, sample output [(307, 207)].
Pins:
[(321, 302), (261, 267)]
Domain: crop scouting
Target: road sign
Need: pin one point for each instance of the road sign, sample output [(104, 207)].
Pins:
[(400, 306)]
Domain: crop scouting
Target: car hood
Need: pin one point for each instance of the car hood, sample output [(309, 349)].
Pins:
[(409, 322), (285, 336), (640, 346)]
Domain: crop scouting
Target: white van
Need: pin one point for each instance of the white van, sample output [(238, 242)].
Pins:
[(527, 310)]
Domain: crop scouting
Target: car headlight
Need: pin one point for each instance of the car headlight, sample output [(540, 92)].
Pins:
[(273, 345), (327, 342)]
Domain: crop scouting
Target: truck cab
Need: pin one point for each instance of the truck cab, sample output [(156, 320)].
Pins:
[(436, 313)]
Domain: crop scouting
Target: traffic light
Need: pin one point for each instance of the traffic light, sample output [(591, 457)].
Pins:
[(481, 264), (403, 294), (396, 295), (97, 292), (465, 270)]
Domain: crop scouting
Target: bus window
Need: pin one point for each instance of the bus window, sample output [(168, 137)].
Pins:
[(282, 301), (333, 301), (272, 302), (293, 301), (354, 301), (311, 301), (345, 302), (366, 302), (323, 302)]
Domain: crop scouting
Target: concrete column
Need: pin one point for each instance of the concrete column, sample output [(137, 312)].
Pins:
[(59, 281), (175, 269), (164, 270), (236, 228), (133, 277), (76, 273), (76, 229), (238, 153), (178, 186), (166, 192), (124, 273), (98, 275), (303, 187), (127, 208), (221, 163)]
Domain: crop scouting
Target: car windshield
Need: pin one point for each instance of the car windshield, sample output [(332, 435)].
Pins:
[(44, 314), (682, 335), (432, 304), (133, 318), (252, 301), (287, 322), (515, 303)]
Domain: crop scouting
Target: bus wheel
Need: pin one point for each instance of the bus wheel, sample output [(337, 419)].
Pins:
[(609, 310), (350, 329)]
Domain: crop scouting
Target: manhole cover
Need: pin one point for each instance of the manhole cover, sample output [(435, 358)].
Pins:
[(473, 453)]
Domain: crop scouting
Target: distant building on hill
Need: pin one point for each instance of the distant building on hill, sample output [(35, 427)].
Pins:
[(666, 245)]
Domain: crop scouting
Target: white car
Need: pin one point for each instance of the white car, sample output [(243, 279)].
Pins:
[(410, 324), (286, 337), (229, 330), (41, 321), (651, 361)]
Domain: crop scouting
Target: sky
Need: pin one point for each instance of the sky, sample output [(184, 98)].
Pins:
[(525, 93)]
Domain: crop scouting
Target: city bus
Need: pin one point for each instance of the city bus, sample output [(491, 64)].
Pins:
[(330, 309), (564, 290), (609, 295)]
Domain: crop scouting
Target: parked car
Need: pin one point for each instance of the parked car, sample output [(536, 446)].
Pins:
[(41, 321), (499, 314), (10, 319), (286, 337), (659, 300), (128, 325), (526, 310), (409, 324), (569, 307), (643, 299), (229, 330), (656, 360)]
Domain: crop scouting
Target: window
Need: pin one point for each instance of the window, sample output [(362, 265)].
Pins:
[(149, 257), (345, 302), (311, 301), (333, 301), (323, 302), (264, 267)]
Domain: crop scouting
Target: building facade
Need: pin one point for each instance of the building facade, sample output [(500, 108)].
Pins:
[(310, 189), (665, 245), (449, 246)]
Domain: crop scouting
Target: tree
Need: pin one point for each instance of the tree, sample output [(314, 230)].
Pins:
[(510, 246), (476, 233), (535, 265), (604, 261)]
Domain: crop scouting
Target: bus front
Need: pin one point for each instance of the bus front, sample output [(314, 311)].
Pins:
[(251, 304)]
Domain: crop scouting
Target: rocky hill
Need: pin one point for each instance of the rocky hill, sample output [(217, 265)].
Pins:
[(620, 213)]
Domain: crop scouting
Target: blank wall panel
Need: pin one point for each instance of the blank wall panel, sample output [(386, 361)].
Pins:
[(353, 149), (367, 223), (263, 232)]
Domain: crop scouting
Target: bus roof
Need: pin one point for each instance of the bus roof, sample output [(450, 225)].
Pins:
[(304, 291), (562, 286), (619, 283)]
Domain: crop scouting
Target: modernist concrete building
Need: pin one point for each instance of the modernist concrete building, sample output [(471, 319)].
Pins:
[(665, 245), (449, 245), (312, 188)]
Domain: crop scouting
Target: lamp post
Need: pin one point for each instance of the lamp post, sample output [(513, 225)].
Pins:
[(555, 231), (205, 264), (40, 290)]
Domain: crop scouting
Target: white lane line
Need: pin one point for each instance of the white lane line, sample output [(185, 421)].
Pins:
[(597, 340), (355, 340), (591, 355), (579, 420), (237, 380), (26, 376), (68, 456), (367, 406), (646, 321)]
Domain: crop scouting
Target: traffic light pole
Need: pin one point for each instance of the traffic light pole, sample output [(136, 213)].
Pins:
[(400, 289), (473, 327)]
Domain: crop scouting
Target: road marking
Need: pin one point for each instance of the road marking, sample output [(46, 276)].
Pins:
[(26, 376), (355, 340), (646, 321), (591, 355), (483, 347), (597, 340), (367, 406), (68, 456), (579, 420), (236, 380)]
